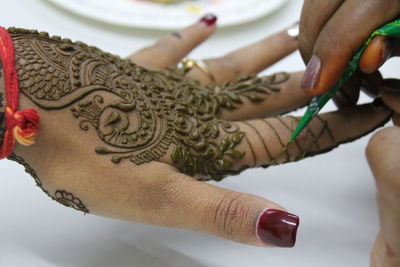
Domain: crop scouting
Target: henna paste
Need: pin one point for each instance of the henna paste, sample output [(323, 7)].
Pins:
[(150, 111), (69, 200), (61, 196)]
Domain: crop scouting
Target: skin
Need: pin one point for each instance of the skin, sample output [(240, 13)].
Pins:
[(322, 34), (160, 191)]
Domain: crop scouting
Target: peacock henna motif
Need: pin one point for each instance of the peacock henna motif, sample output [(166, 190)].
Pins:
[(138, 114)]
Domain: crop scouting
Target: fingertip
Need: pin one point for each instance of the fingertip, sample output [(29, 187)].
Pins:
[(209, 20), (277, 228), (374, 55)]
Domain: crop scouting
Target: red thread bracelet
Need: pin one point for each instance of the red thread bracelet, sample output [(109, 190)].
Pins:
[(21, 126)]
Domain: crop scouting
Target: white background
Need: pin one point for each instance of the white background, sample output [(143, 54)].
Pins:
[(333, 194)]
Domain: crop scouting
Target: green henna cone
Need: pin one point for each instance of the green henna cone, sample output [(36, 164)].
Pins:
[(391, 29)]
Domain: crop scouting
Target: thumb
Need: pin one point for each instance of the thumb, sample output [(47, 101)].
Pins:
[(240, 217), (383, 156)]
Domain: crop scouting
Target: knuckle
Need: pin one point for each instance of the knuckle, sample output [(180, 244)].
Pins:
[(230, 215)]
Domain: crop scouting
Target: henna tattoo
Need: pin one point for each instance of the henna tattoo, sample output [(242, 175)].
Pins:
[(2, 107), (267, 150), (61, 196), (281, 142), (69, 200), (138, 114)]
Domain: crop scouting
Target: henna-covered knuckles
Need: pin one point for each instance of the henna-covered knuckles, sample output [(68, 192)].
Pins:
[(150, 111)]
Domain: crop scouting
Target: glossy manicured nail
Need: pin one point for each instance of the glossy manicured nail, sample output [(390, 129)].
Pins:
[(277, 228), (209, 20), (391, 86), (311, 76)]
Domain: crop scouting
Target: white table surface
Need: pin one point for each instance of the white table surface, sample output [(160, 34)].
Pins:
[(333, 194)]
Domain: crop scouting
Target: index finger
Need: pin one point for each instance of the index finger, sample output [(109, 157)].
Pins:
[(343, 34)]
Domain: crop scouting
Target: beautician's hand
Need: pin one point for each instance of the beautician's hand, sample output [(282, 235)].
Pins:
[(123, 141), (331, 31), (383, 155)]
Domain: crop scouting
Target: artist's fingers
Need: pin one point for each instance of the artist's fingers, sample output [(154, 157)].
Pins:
[(370, 83), (341, 36), (314, 16), (349, 94), (172, 48), (383, 156), (262, 97), (390, 94), (250, 59), (181, 201), (378, 52), (265, 139)]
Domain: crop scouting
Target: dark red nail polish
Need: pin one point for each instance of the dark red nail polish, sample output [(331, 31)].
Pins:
[(209, 20), (277, 228)]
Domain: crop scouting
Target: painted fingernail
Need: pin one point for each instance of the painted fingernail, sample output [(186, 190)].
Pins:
[(391, 86), (209, 20), (277, 228), (311, 76)]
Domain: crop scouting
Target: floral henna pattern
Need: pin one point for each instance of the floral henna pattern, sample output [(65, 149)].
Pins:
[(61, 196), (138, 114), (69, 200)]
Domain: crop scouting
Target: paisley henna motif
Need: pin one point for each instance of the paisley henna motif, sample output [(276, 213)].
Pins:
[(138, 114)]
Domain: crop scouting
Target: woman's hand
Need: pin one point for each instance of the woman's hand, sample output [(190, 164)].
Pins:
[(331, 31), (383, 157), (123, 141)]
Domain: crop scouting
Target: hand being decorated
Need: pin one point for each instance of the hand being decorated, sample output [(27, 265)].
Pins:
[(133, 138)]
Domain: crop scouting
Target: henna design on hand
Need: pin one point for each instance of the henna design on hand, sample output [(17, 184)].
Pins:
[(61, 196), (70, 201), (138, 114)]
